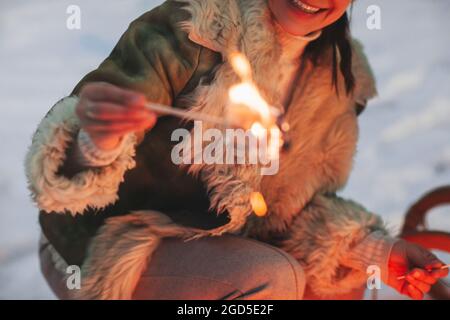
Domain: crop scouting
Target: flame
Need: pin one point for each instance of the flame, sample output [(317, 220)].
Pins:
[(241, 65), (246, 94), (248, 109)]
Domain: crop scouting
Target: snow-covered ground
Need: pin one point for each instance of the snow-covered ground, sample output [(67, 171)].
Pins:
[(404, 148)]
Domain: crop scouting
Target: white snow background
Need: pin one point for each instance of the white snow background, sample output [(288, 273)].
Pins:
[(404, 148)]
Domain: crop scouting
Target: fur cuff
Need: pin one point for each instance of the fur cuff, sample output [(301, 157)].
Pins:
[(93, 188), (322, 238), (90, 155), (374, 250)]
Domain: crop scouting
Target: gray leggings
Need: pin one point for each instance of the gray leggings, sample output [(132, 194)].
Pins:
[(216, 268)]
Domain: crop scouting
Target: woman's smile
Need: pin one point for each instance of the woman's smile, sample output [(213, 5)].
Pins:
[(304, 7), (301, 17)]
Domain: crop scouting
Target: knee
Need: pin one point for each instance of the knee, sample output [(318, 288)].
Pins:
[(235, 267), (277, 274)]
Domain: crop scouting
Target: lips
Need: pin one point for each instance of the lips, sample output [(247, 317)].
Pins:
[(306, 8)]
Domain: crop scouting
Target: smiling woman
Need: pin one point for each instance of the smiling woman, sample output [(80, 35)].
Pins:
[(306, 16), (112, 201), (329, 21)]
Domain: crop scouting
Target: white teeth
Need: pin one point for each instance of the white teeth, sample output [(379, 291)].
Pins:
[(305, 7)]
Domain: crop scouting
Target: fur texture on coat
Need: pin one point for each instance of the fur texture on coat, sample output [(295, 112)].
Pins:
[(323, 161), (54, 192), (322, 237), (324, 134)]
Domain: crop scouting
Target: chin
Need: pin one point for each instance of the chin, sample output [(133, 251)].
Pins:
[(299, 18)]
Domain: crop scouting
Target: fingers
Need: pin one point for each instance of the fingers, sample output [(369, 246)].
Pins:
[(439, 273), (425, 259), (416, 279), (117, 127), (107, 111), (413, 292), (422, 275), (436, 271), (110, 111), (108, 117), (414, 284), (101, 91)]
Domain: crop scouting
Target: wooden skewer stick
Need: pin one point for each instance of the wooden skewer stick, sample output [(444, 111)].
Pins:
[(446, 266), (193, 115), (223, 122), (183, 114)]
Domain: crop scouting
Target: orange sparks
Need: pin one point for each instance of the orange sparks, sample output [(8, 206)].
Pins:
[(258, 204), (248, 109), (246, 100), (241, 66)]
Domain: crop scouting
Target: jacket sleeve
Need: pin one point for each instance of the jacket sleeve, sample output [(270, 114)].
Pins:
[(154, 57), (335, 240)]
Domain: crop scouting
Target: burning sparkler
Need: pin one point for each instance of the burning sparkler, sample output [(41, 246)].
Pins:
[(247, 110)]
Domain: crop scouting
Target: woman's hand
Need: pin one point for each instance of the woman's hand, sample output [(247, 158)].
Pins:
[(420, 266), (108, 112)]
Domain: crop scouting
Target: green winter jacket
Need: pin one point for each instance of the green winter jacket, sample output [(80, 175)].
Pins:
[(156, 58), (165, 61)]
